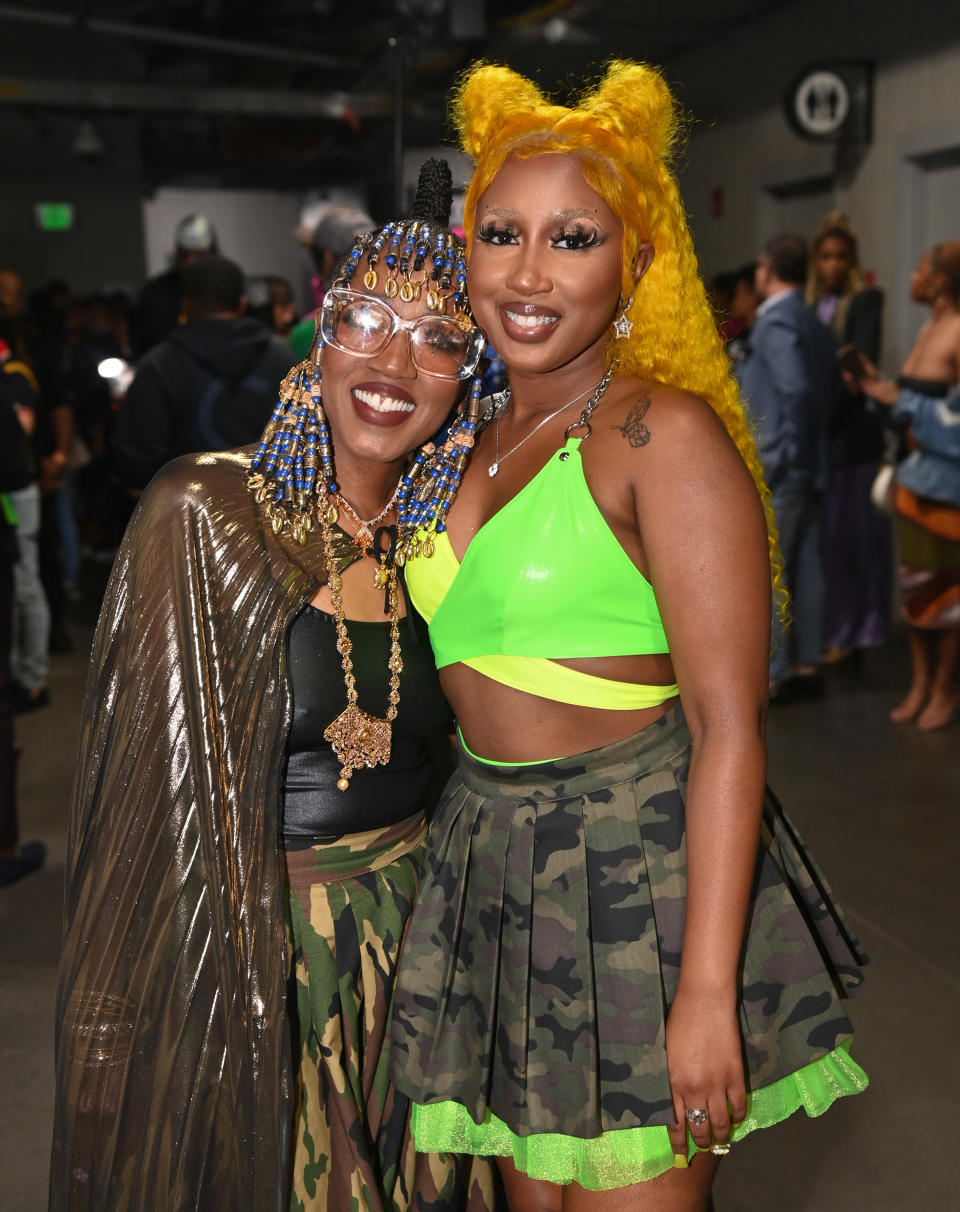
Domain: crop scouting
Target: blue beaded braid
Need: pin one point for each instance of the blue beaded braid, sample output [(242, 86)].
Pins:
[(291, 470), (431, 483)]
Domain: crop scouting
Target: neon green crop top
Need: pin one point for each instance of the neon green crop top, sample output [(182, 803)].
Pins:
[(544, 579)]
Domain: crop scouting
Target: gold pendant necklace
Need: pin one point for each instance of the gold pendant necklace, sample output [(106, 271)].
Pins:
[(358, 738)]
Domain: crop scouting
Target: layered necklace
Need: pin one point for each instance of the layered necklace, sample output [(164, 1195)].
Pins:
[(499, 459), (357, 737)]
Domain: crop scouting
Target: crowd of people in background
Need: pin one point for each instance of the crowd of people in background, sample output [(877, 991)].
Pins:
[(853, 459), (103, 389)]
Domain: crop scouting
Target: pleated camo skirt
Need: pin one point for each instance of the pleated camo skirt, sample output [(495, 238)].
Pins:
[(543, 955), (348, 904)]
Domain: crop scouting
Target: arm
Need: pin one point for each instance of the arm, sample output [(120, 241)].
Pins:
[(55, 463), (790, 382), (705, 538)]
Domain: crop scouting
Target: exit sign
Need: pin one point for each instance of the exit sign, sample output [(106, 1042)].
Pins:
[(54, 216)]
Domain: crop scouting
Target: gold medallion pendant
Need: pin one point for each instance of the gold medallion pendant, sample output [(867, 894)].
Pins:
[(358, 739)]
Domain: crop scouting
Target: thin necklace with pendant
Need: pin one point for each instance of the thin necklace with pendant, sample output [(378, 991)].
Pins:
[(364, 533), (498, 459)]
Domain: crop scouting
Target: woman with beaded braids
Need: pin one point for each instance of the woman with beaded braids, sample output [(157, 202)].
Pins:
[(621, 958), (258, 753)]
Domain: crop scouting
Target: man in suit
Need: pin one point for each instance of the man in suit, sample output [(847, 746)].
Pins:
[(787, 376)]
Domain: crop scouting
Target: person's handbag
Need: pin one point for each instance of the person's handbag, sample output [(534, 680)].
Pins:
[(883, 490)]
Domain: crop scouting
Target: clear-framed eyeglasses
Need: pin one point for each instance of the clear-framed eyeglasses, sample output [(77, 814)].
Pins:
[(447, 347)]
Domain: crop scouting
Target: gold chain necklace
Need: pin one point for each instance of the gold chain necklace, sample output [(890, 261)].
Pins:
[(497, 458), (358, 738)]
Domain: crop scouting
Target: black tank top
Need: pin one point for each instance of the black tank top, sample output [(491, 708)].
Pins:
[(420, 754), (936, 388)]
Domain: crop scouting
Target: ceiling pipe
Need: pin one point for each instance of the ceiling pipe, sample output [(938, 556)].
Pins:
[(135, 98), (147, 33)]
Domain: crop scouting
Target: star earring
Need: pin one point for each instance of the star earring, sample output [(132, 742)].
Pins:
[(622, 326)]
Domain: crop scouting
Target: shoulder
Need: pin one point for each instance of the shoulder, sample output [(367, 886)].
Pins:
[(868, 298), (158, 358), (665, 424), (199, 483)]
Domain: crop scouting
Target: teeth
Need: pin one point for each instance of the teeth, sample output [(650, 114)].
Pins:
[(381, 403), (531, 321)]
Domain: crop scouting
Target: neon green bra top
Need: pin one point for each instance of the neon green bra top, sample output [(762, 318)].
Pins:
[(544, 579)]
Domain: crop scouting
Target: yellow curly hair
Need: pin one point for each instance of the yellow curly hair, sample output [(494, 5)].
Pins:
[(625, 130)]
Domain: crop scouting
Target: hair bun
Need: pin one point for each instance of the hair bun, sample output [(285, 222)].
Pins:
[(835, 221), (486, 97), (434, 195), (633, 99)]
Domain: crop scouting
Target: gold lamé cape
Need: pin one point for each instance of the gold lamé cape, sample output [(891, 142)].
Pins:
[(174, 1081)]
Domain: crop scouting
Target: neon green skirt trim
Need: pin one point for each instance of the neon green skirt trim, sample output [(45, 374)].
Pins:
[(630, 1155)]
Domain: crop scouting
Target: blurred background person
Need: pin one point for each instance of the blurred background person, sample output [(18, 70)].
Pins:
[(161, 300), (787, 377), (331, 237), (744, 301), (928, 520), (42, 350), (99, 341), (928, 490), (210, 386), (855, 535), (27, 647), (16, 859), (270, 300)]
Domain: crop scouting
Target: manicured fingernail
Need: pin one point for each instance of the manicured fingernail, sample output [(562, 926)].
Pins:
[(680, 1161)]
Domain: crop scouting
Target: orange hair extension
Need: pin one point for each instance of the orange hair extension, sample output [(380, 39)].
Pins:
[(624, 130)]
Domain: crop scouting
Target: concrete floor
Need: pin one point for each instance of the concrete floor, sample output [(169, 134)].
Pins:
[(879, 805)]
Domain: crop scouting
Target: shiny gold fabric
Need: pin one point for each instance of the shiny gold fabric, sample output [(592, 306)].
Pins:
[(173, 1073)]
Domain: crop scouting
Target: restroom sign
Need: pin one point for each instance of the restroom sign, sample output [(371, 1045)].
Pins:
[(832, 101)]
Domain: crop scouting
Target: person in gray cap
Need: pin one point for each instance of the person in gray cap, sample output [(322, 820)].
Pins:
[(330, 238), (160, 303)]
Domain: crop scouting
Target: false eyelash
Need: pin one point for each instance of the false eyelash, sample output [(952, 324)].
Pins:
[(489, 232), (583, 237)]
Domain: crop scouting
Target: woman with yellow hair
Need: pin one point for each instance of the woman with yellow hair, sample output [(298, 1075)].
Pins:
[(606, 975)]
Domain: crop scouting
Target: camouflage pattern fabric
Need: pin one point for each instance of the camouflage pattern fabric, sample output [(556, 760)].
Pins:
[(348, 903), (544, 952)]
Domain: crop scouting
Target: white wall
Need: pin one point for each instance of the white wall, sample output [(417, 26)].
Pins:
[(255, 228), (903, 196)]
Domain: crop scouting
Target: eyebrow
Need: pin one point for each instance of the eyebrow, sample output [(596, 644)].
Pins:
[(505, 212)]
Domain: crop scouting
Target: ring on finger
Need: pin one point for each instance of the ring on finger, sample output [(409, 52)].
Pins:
[(720, 1150), (697, 1116)]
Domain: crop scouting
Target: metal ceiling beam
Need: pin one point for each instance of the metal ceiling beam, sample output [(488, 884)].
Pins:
[(134, 98), (146, 33)]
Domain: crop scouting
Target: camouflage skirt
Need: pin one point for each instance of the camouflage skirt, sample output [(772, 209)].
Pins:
[(348, 904), (544, 952)]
